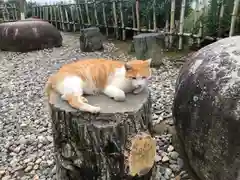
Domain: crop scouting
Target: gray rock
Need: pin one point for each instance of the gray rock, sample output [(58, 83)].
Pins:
[(6, 178), (165, 159), (28, 169), (174, 155), (207, 96), (174, 167)]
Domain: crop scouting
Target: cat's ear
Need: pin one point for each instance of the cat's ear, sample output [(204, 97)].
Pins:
[(149, 61), (127, 66)]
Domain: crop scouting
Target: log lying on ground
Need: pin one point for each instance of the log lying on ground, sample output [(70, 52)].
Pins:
[(91, 39), (149, 45), (115, 144)]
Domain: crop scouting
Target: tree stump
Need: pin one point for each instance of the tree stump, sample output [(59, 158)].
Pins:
[(115, 144), (91, 39), (149, 45)]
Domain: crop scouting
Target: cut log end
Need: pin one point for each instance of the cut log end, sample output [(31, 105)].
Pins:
[(141, 155)]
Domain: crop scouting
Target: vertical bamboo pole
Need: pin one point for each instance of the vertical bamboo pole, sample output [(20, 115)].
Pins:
[(234, 17), (15, 12), (154, 16), (62, 18), (44, 12), (67, 18), (47, 13), (104, 18), (134, 18), (122, 20), (78, 16), (197, 18), (221, 18), (95, 12), (137, 15), (41, 12), (73, 10), (87, 12), (180, 44), (51, 13), (115, 18), (172, 22), (55, 15), (37, 11), (81, 15), (22, 13)]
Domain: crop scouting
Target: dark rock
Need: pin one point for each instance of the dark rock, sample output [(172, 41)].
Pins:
[(206, 110), (27, 35), (149, 45), (91, 39)]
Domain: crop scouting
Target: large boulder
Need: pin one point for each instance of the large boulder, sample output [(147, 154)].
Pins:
[(27, 35), (206, 110)]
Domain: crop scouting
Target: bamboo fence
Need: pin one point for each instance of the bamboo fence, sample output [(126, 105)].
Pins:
[(8, 12), (116, 14)]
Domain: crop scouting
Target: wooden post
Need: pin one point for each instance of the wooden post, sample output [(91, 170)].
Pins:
[(138, 15), (221, 18), (81, 15), (95, 12), (87, 12), (55, 15), (104, 18), (234, 15), (134, 18), (66, 15), (181, 25), (115, 18), (62, 18), (172, 19), (73, 12), (114, 144), (22, 9), (154, 16), (122, 20)]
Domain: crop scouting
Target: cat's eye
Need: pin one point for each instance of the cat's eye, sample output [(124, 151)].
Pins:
[(144, 77), (133, 77)]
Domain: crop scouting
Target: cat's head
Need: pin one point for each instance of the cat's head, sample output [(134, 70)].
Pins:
[(138, 71)]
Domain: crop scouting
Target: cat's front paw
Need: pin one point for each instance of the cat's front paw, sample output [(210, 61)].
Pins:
[(138, 90), (83, 99), (95, 109), (120, 96)]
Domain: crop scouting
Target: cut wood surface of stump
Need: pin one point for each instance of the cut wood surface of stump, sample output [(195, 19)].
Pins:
[(149, 45), (115, 144), (91, 39)]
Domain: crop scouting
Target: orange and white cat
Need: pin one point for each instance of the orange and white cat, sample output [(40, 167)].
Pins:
[(93, 76)]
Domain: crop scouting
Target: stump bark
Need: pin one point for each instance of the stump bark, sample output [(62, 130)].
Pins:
[(149, 45), (91, 39), (115, 144)]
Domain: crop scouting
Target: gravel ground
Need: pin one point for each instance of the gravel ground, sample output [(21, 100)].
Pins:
[(25, 130)]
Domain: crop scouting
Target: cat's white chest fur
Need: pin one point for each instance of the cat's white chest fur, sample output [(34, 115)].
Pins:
[(119, 80)]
